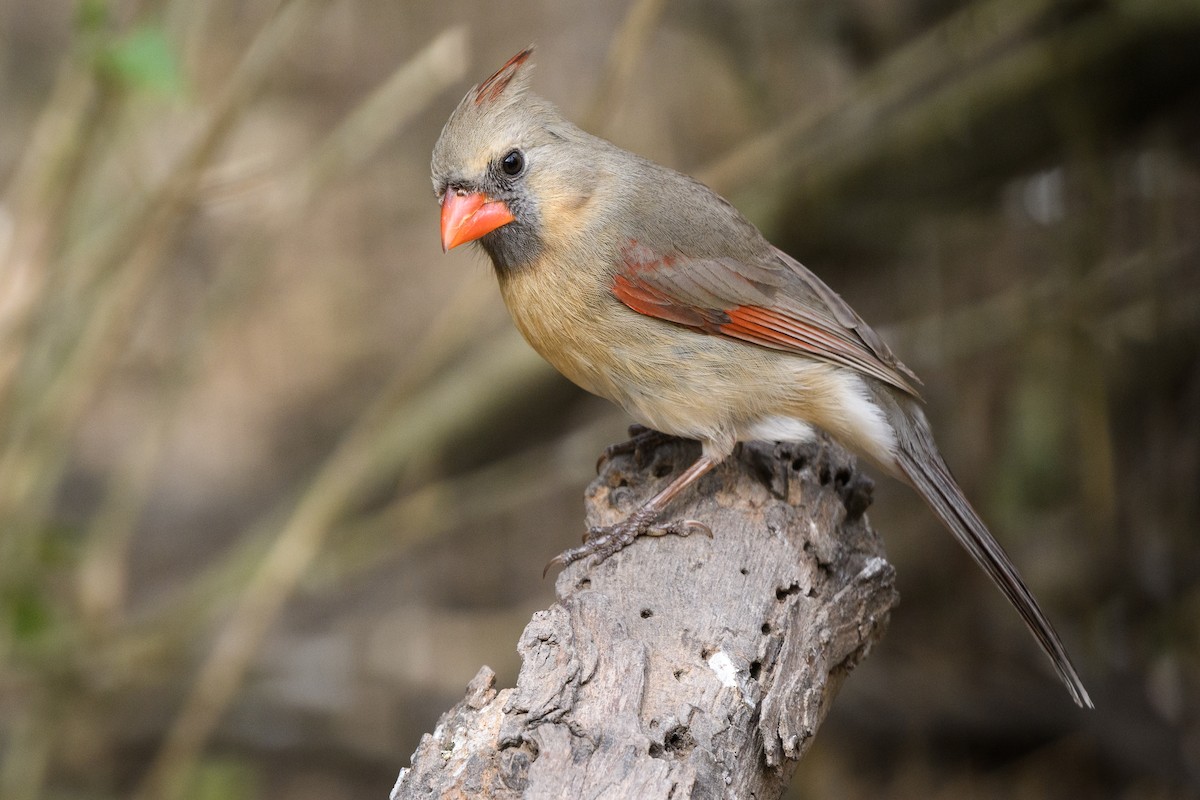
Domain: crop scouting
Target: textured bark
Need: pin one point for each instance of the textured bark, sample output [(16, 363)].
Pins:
[(681, 667)]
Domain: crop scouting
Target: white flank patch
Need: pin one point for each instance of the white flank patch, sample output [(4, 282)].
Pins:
[(873, 431), (781, 429), (842, 405)]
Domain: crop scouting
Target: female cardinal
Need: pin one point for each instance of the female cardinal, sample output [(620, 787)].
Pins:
[(643, 286)]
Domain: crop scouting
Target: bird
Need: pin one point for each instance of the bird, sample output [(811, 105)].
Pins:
[(645, 287)]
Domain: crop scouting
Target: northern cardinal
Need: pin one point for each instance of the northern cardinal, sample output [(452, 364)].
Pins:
[(645, 287)]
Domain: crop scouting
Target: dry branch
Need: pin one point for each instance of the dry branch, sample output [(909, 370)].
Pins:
[(681, 667)]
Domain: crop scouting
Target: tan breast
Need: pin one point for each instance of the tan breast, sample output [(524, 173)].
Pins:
[(667, 377), (562, 316)]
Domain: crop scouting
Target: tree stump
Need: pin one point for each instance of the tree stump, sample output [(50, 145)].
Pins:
[(681, 667)]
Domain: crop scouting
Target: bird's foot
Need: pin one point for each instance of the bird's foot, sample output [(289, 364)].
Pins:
[(602, 541), (642, 442)]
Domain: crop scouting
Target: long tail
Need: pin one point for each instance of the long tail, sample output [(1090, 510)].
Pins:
[(921, 463)]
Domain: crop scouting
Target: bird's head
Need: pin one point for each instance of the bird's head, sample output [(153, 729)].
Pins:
[(504, 161)]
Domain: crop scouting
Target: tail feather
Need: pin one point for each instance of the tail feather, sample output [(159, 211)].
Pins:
[(929, 475)]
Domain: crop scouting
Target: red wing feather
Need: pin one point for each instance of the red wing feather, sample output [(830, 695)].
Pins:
[(646, 299), (779, 331), (713, 296)]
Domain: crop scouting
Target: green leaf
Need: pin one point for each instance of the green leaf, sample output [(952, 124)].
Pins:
[(144, 59)]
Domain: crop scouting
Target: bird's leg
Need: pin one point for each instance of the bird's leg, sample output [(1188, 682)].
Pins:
[(641, 442), (604, 540)]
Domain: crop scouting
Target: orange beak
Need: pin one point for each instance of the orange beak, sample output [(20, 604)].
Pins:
[(466, 217)]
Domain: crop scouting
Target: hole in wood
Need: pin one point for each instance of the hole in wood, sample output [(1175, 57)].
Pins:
[(783, 592), (679, 741), (755, 669), (647, 613)]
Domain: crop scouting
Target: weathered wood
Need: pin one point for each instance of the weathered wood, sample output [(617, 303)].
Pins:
[(681, 667)]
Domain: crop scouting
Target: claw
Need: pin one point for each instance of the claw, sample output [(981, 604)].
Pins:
[(568, 557), (558, 559), (640, 440), (614, 450), (602, 541), (682, 528), (690, 526)]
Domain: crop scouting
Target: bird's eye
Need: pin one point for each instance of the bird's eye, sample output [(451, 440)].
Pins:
[(513, 163)]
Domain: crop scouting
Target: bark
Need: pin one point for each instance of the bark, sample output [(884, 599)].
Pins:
[(681, 667)]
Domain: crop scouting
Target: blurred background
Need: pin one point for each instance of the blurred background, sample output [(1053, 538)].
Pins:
[(277, 477)]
